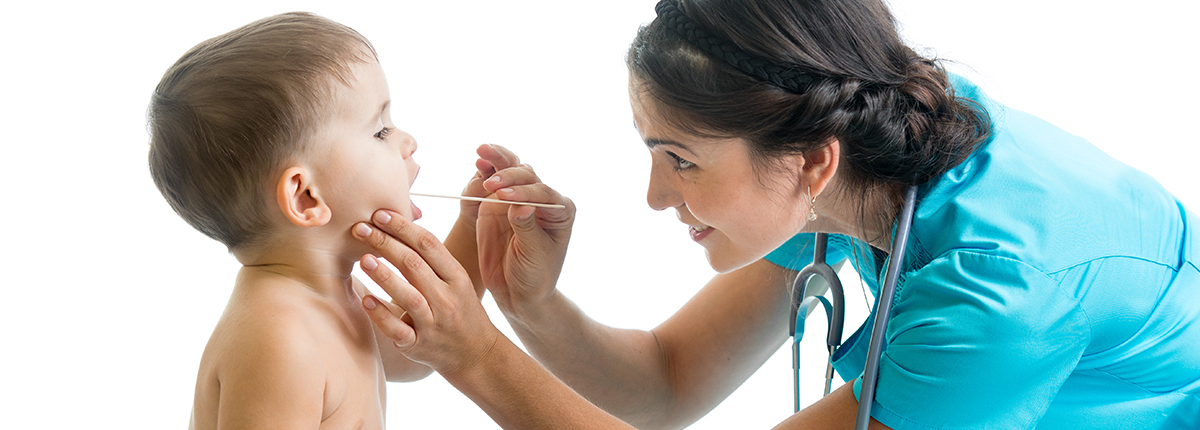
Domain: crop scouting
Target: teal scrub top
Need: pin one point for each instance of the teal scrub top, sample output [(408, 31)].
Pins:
[(1046, 285)]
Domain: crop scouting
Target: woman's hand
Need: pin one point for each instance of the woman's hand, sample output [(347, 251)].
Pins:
[(492, 158), (435, 317), (461, 239), (522, 248)]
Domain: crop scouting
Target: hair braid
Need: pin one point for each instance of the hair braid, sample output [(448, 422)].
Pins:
[(789, 78)]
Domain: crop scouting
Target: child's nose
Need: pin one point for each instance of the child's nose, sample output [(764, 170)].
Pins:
[(410, 146)]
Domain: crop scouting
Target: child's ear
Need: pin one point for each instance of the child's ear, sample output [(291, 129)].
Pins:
[(299, 199)]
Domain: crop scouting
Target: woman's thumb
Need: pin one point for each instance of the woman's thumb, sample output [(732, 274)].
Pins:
[(523, 220)]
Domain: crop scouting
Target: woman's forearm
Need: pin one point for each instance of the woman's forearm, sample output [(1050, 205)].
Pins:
[(518, 393), (673, 375), (622, 371), (461, 244)]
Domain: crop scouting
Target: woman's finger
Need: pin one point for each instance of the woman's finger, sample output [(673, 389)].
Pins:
[(498, 157), (540, 193), (405, 296), (410, 263), (402, 334), (516, 175), (475, 188), (430, 253), (485, 168)]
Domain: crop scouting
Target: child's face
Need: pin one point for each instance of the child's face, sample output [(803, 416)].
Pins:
[(360, 159)]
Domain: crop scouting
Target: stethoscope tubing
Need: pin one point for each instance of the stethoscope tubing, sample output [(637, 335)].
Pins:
[(835, 312), (883, 311)]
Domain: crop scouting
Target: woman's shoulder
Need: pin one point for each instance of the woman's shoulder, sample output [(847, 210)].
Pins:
[(1041, 195)]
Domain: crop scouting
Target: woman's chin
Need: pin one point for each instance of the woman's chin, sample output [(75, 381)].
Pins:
[(724, 262)]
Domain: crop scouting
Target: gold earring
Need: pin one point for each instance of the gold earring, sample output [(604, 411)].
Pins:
[(812, 206)]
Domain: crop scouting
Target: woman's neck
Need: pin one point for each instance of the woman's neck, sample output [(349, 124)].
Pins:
[(867, 215)]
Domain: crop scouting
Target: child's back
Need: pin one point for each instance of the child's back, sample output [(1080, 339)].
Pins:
[(274, 139)]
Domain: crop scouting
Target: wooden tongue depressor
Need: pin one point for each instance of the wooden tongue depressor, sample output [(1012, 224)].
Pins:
[(479, 199)]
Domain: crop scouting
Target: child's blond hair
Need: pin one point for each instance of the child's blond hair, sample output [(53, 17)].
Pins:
[(234, 108)]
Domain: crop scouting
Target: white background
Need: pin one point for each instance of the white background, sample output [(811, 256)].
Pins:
[(107, 298)]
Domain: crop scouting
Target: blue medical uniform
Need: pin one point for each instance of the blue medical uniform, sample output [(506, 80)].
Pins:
[(1046, 285)]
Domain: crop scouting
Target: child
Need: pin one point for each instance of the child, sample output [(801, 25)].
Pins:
[(274, 139)]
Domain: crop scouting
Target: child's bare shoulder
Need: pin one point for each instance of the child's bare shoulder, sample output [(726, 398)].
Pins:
[(267, 321), (263, 355)]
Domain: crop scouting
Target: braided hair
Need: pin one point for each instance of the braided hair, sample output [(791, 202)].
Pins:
[(789, 76)]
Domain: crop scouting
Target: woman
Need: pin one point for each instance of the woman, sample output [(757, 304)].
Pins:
[(1045, 284)]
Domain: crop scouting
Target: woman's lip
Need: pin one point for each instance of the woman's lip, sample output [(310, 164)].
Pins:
[(699, 235)]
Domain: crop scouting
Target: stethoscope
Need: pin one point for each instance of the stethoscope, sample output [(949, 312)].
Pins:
[(835, 311)]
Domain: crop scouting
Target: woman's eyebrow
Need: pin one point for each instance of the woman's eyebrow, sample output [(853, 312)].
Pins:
[(652, 142)]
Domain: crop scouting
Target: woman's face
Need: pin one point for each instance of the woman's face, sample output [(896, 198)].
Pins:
[(736, 215)]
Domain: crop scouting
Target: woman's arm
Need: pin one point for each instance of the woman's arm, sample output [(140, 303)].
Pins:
[(447, 329), (461, 239), (672, 375), (664, 378), (460, 242)]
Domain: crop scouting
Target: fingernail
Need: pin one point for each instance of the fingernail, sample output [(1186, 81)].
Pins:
[(504, 190), (371, 302), (362, 230), (369, 263), (382, 217), (525, 217), (495, 178)]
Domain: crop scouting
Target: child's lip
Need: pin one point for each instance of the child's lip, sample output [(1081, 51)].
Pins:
[(416, 211)]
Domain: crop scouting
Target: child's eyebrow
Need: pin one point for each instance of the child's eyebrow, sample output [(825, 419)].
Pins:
[(379, 116)]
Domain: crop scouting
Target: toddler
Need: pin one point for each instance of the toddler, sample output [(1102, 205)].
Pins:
[(274, 139)]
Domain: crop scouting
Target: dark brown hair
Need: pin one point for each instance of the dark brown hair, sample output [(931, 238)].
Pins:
[(235, 107), (894, 111)]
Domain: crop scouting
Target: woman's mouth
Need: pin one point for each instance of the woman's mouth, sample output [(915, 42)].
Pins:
[(699, 232), (416, 211)]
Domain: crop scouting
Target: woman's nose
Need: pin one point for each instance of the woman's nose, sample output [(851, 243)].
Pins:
[(661, 194)]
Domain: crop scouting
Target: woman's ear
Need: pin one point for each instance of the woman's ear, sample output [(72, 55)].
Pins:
[(299, 199), (820, 165)]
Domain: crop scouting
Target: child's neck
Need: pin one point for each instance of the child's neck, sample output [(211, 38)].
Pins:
[(324, 271)]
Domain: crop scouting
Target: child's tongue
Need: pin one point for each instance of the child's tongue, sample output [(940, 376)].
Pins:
[(416, 211)]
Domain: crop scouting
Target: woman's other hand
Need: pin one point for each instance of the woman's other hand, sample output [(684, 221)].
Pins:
[(492, 158), (461, 239), (434, 318), (521, 248)]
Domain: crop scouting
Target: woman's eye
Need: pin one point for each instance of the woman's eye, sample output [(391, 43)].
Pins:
[(383, 133), (680, 163)]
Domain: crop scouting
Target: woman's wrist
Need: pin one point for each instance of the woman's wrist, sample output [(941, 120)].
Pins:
[(461, 244), (531, 317), (518, 392)]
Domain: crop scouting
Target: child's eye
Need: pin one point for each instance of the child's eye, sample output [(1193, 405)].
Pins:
[(383, 133), (680, 163)]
